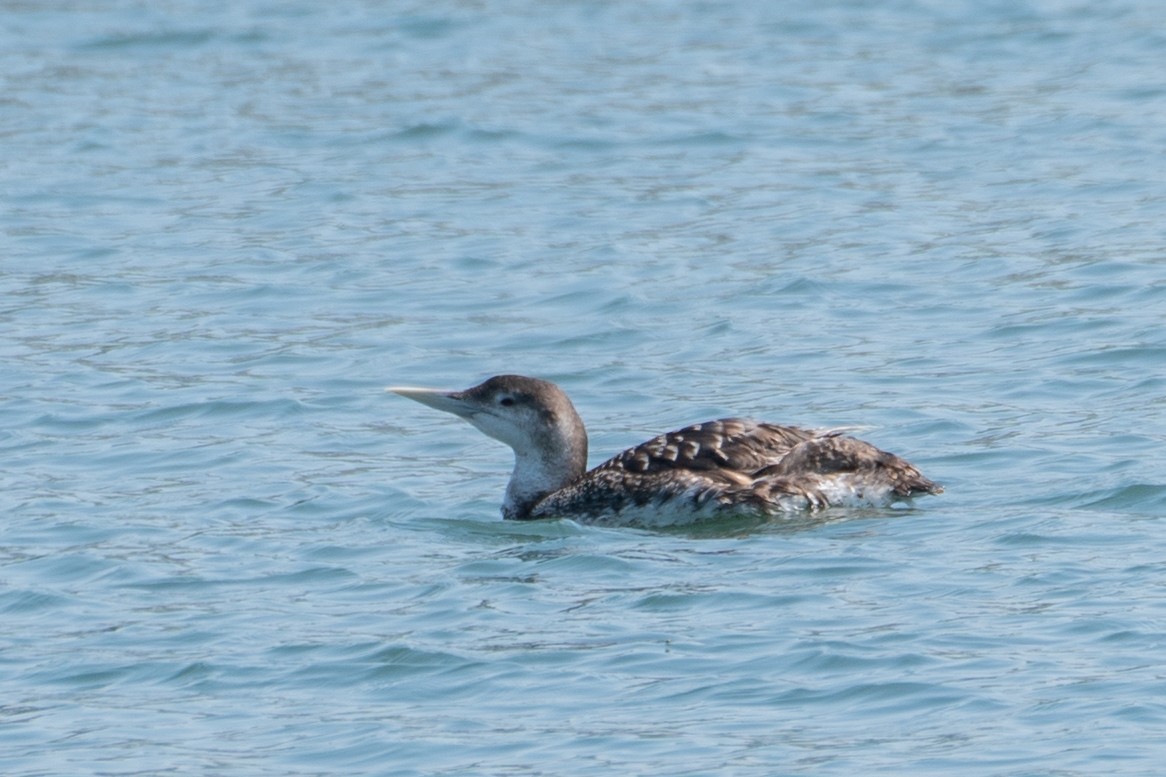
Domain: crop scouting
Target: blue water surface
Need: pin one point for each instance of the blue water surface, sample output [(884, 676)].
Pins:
[(226, 226)]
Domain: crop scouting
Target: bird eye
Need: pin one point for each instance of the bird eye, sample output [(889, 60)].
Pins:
[(506, 401)]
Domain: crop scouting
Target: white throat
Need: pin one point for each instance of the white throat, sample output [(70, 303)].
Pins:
[(532, 479)]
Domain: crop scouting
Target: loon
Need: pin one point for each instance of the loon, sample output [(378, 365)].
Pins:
[(732, 466)]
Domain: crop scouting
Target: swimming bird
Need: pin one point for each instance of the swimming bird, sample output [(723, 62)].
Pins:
[(732, 466)]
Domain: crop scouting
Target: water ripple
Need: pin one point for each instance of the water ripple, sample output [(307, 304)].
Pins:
[(226, 551)]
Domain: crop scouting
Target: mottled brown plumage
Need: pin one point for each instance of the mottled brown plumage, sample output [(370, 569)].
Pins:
[(732, 465)]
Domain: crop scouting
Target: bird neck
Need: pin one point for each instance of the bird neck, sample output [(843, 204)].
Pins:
[(554, 461)]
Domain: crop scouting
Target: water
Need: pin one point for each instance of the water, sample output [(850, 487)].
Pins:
[(227, 226)]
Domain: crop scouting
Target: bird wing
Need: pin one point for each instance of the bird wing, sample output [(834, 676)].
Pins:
[(830, 454), (729, 445)]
